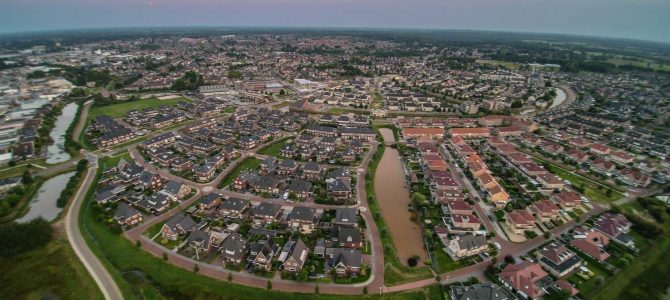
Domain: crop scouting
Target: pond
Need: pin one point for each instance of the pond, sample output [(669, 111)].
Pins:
[(393, 195), (43, 204), (56, 152)]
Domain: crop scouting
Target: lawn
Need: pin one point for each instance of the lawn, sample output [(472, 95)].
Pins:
[(53, 271), (592, 190), (340, 111), (274, 148), (119, 110), (249, 163), (447, 264), (507, 64)]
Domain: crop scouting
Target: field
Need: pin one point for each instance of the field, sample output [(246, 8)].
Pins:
[(52, 271), (592, 190), (119, 110), (506, 64), (274, 148), (151, 278), (246, 164)]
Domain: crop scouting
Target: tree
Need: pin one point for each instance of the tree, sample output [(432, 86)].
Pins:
[(27, 178), (138, 244), (365, 290), (517, 104), (269, 285), (230, 276), (196, 268), (547, 234), (165, 256)]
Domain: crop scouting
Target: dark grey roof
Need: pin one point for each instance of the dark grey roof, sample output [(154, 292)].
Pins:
[(124, 211), (266, 209), (346, 215), (234, 247), (181, 221), (302, 213), (299, 186), (483, 291), (173, 187), (234, 204)]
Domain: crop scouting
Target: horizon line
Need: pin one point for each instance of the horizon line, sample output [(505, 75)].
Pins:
[(333, 28)]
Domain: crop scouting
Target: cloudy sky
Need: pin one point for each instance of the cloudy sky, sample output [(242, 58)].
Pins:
[(638, 19)]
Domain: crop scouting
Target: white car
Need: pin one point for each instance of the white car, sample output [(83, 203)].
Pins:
[(497, 245), (567, 182), (286, 196), (584, 199)]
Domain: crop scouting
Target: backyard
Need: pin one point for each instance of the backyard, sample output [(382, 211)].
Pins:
[(249, 163), (592, 190)]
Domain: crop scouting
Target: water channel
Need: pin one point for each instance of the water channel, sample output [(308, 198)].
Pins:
[(56, 152), (393, 196), (43, 204)]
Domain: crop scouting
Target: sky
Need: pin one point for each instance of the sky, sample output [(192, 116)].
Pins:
[(636, 19)]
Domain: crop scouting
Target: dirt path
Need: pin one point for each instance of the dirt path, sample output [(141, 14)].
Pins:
[(81, 123)]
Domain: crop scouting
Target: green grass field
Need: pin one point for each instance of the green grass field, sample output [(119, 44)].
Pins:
[(119, 110), (53, 271), (274, 148), (592, 190), (506, 64), (248, 163)]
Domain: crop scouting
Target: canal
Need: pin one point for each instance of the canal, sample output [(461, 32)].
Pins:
[(56, 152), (393, 196), (43, 204)]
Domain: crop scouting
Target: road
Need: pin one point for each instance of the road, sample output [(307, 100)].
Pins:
[(91, 262)]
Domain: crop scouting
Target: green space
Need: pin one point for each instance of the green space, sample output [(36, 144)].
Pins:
[(119, 110), (249, 163), (49, 272), (273, 149), (143, 276), (507, 64), (341, 110), (593, 191), (447, 264)]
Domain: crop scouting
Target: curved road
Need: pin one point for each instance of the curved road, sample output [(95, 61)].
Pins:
[(101, 276)]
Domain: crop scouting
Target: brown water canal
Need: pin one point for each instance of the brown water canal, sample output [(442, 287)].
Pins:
[(393, 195)]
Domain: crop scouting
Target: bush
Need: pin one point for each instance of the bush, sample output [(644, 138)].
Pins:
[(18, 238), (412, 262)]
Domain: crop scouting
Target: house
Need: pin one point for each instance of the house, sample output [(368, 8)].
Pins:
[(347, 237), (634, 178), (519, 221), (127, 215), (466, 245), (287, 167), (550, 181), (526, 278), (176, 190), (593, 243), (234, 208), (344, 261), (423, 133), (156, 203), (265, 213), (568, 200), (179, 224), (261, 253), (559, 260), (234, 249), (245, 179), (301, 188), (202, 243), (312, 171), (457, 223), (498, 196), (459, 207), (266, 184), (546, 210), (615, 226), (208, 202), (477, 132), (151, 181), (302, 218), (294, 255), (338, 188), (346, 216), (482, 291)]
